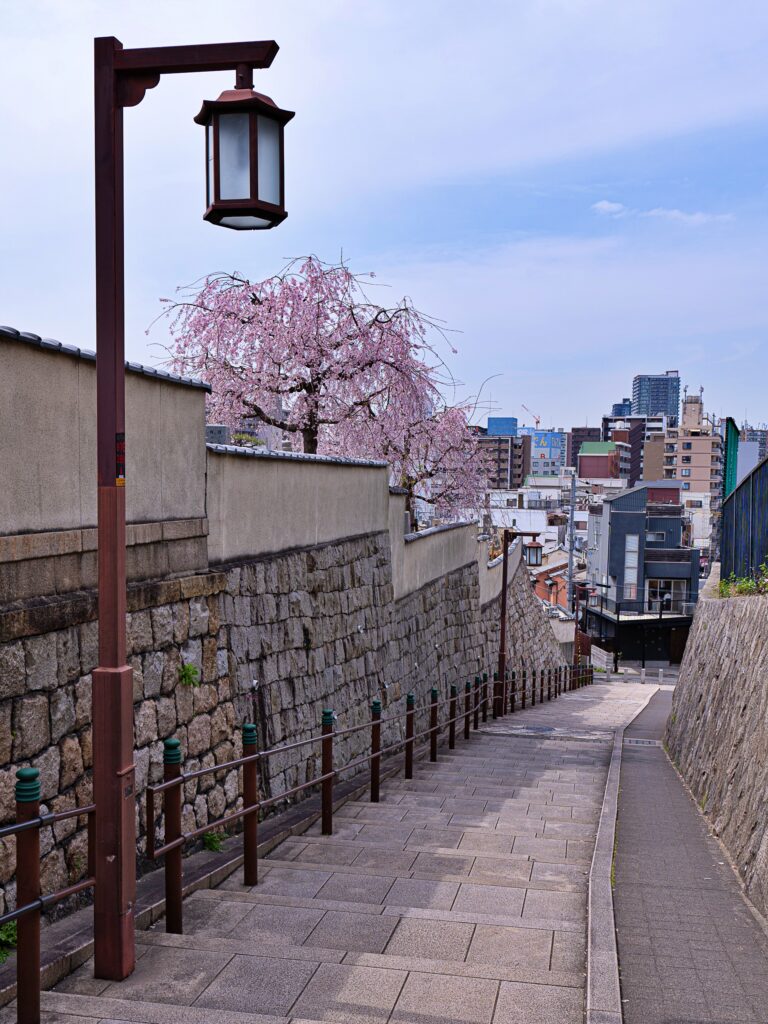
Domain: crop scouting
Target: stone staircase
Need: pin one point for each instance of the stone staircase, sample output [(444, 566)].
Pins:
[(461, 897)]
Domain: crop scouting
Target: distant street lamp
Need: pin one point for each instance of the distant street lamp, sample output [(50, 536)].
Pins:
[(245, 158), (500, 685)]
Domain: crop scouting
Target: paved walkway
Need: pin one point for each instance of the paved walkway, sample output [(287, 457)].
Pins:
[(690, 951), (461, 897)]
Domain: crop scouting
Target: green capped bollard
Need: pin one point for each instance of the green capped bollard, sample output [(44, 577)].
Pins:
[(375, 750), (250, 799), (326, 793), (28, 891), (410, 712), (172, 798)]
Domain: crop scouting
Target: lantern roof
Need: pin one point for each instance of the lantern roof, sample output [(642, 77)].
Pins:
[(243, 99)]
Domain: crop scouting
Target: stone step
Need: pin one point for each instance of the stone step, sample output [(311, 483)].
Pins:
[(574, 922)]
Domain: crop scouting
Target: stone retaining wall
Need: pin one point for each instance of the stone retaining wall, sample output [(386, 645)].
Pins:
[(717, 734), (276, 639)]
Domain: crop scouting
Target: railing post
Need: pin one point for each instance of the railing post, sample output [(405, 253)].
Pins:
[(375, 748), (485, 696), (410, 702), (523, 688), (533, 687), (326, 768), (452, 711), (467, 703), (172, 810), (542, 674), (512, 694), (250, 799), (27, 891), (477, 702), (433, 725), (549, 684), (496, 696)]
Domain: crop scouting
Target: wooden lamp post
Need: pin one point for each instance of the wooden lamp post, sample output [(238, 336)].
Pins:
[(244, 157)]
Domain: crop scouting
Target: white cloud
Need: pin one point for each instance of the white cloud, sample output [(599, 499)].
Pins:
[(681, 217), (609, 209)]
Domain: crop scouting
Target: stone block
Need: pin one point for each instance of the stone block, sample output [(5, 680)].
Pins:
[(86, 745), (63, 715), (89, 646), (48, 764), (12, 670), (145, 724), (30, 726), (152, 671), (139, 631), (198, 616), (83, 701), (199, 735), (166, 716), (180, 622), (162, 625), (41, 664), (70, 762)]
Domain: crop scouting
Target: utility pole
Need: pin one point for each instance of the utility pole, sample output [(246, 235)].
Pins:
[(571, 541)]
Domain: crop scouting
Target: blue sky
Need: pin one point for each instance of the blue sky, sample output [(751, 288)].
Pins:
[(579, 188)]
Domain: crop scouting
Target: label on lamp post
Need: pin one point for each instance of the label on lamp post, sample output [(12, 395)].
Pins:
[(119, 460)]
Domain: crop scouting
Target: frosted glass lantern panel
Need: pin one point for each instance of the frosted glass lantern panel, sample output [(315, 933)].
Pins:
[(209, 168), (234, 157), (269, 160)]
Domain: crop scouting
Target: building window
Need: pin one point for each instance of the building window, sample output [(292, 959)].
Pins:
[(686, 487), (686, 458), (694, 504), (685, 472), (655, 538), (687, 445), (631, 551)]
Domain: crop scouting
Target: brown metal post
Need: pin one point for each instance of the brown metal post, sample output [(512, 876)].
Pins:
[(375, 750), (523, 687), (433, 725), (326, 768), (512, 694), (549, 684), (410, 702), (250, 799), (477, 702), (467, 707), (27, 891), (173, 866), (533, 687), (112, 686), (452, 712), (498, 706), (485, 696)]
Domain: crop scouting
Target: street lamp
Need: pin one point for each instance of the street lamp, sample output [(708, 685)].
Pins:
[(500, 685), (246, 157), (244, 177)]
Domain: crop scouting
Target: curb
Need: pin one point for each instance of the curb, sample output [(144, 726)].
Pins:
[(603, 989)]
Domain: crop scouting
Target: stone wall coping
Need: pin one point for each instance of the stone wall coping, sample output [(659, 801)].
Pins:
[(51, 345), (256, 453), (409, 538), (20, 547)]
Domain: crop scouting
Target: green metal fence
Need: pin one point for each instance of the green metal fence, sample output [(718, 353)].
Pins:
[(744, 544)]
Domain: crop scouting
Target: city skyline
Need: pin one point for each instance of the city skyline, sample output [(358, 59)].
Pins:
[(605, 198)]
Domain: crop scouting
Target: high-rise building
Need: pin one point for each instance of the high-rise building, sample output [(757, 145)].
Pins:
[(502, 426), (654, 393), (635, 431), (549, 450), (759, 434), (507, 460), (578, 436), (622, 408)]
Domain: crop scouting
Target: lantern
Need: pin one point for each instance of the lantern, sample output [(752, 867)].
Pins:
[(244, 159), (532, 553)]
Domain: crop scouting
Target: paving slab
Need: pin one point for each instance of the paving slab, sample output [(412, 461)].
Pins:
[(460, 897), (689, 947)]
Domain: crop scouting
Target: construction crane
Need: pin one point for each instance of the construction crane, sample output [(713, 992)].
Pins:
[(536, 419)]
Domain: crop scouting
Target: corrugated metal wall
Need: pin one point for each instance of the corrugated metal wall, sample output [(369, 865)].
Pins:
[(744, 545)]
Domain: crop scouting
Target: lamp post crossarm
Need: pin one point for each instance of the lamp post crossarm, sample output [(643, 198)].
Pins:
[(170, 60)]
